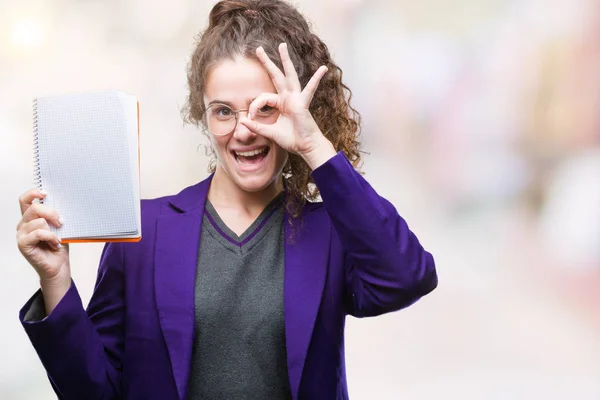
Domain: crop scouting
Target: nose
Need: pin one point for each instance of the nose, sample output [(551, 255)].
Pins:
[(241, 133)]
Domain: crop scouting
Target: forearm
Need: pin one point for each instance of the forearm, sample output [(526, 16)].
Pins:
[(91, 340), (321, 152), (53, 291), (71, 350)]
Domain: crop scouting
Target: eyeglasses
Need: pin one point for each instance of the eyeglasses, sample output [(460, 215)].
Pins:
[(221, 120)]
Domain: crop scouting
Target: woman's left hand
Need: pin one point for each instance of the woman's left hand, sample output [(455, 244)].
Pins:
[(295, 129)]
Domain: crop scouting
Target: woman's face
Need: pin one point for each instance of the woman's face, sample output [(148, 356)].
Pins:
[(237, 83)]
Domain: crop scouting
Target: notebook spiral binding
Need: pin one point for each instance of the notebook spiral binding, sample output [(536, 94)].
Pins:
[(37, 174)]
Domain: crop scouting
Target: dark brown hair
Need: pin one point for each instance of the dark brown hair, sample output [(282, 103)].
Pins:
[(238, 27)]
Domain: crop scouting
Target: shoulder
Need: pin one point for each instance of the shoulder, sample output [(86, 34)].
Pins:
[(189, 198), (152, 207)]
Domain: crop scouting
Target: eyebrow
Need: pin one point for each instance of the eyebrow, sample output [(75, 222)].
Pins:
[(228, 103)]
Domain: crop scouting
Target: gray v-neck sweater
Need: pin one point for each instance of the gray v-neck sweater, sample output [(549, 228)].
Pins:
[(239, 344)]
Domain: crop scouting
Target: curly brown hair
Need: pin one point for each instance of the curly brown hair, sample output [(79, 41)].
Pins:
[(238, 27)]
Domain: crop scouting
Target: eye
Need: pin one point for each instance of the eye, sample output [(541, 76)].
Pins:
[(223, 111), (266, 110)]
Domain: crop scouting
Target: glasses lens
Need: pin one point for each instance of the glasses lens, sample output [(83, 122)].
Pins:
[(220, 119)]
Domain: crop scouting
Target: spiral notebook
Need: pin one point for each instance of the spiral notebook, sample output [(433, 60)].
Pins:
[(86, 152)]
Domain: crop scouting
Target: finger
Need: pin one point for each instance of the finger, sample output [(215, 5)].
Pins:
[(28, 227), (289, 69), (265, 99), (26, 199), (40, 211), (275, 73), (32, 239), (313, 83), (260, 129)]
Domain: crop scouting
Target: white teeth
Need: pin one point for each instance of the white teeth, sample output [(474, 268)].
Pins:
[(251, 153)]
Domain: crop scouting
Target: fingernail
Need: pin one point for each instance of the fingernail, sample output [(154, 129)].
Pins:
[(249, 116), (43, 192), (61, 221)]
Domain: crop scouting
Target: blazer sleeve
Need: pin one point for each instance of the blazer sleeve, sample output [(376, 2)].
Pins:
[(81, 350), (386, 268)]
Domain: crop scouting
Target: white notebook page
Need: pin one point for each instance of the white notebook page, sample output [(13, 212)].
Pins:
[(88, 164)]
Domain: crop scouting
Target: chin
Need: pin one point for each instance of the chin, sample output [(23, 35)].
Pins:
[(255, 183)]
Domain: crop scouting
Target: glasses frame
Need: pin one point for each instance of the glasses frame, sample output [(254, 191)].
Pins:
[(237, 118)]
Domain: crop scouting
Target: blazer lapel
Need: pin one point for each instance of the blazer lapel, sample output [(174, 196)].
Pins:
[(305, 274), (175, 258)]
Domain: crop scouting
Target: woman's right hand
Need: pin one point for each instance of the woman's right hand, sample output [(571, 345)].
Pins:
[(41, 247)]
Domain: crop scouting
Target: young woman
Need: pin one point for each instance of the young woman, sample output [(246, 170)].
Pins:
[(241, 284)]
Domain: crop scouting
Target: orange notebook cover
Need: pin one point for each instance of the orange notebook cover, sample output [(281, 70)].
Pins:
[(87, 158)]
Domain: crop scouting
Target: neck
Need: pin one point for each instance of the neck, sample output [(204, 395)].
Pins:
[(224, 193)]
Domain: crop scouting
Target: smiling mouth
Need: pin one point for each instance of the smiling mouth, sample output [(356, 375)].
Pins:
[(251, 157)]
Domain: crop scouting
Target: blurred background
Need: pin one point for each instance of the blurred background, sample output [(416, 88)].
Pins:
[(482, 124)]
